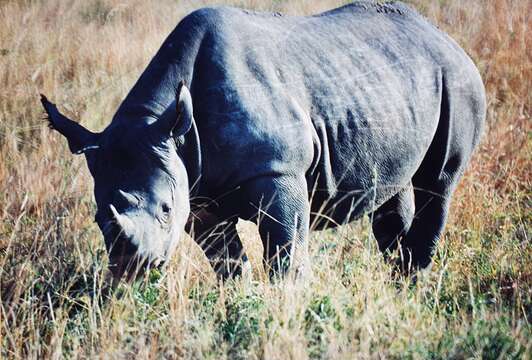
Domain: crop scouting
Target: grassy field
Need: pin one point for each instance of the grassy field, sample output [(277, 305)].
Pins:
[(476, 302)]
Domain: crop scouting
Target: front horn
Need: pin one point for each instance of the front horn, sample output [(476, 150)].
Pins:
[(127, 228)]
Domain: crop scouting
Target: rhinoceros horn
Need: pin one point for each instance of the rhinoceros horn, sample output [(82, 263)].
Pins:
[(126, 226), (130, 199)]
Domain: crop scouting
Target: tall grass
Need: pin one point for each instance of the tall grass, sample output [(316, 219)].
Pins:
[(85, 55)]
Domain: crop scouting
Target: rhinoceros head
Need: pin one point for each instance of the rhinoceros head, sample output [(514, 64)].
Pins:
[(140, 182)]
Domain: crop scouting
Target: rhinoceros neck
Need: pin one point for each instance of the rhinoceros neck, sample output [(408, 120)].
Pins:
[(155, 90)]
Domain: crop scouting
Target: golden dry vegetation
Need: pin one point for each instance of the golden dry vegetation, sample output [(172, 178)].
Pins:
[(476, 302)]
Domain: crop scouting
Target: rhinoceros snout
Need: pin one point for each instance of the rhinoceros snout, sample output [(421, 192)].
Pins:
[(134, 241), (126, 259)]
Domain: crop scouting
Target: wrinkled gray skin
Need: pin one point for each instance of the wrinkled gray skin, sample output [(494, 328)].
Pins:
[(297, 123)]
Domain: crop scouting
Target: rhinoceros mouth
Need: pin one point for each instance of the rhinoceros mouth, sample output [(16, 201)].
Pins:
[(132, 267)]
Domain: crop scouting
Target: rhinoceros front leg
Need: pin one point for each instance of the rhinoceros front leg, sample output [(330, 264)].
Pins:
[(219, 240), (281, 208)]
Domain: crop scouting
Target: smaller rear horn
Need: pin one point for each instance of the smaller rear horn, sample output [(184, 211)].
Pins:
[(129, 198)]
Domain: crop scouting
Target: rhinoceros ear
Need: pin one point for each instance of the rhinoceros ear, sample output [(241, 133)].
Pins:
[(177, 119), (79, 138)]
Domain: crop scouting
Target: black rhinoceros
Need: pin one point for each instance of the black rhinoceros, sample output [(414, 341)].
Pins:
[(295, 122)]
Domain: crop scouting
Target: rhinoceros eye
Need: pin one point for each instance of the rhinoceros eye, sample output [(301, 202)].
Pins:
[(165, 208), (165, 212)]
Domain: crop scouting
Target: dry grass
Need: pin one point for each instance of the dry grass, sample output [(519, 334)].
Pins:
[(86, 55)]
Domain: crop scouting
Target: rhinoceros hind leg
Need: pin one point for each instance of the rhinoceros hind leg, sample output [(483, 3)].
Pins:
[(433, 189), (459, 129), (393, 219), (418, 245)]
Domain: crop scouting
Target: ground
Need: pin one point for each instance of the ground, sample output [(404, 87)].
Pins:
[(85, 55)]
